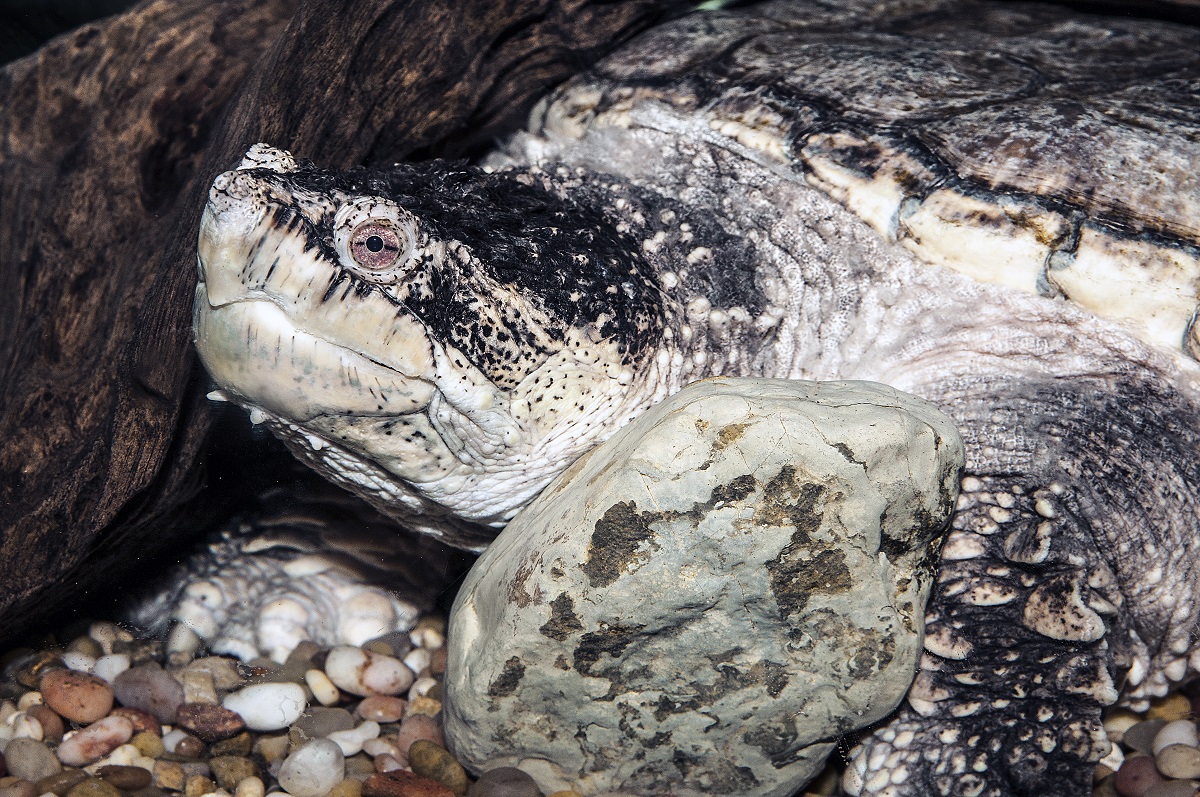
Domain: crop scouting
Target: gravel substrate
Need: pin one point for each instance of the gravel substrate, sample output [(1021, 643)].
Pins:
[(107, 715)]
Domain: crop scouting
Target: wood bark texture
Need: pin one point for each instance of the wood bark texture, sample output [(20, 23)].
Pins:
[(109, 137)]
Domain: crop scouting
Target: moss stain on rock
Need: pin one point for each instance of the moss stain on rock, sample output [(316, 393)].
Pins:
[(563, 622)]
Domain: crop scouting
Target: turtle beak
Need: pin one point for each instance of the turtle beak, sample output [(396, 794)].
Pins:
[(234, 211), (264, 156)]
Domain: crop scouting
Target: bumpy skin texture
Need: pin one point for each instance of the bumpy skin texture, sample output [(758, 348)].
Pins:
[(1068, 580)]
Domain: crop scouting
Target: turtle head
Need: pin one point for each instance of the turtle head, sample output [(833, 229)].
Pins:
[(442, 340)]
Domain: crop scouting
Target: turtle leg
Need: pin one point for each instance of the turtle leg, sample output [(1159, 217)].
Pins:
[(1070, 572), (295, 571)]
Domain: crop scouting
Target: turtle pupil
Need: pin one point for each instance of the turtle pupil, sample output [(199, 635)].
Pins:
[(375, 243)]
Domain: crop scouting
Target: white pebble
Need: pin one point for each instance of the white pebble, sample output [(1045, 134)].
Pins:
[(361, 672), (110, 666), (1177, 732), (418, 660), (351, 741), (322, 688), (422, 687), (250, 787), (97, 740), (267, 707), (426, 637), (172, 738), (22, 726), (80, 662), (313, 769), (29, 700)]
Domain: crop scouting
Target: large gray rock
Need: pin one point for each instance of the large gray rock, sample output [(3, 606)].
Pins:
[(705, 602)]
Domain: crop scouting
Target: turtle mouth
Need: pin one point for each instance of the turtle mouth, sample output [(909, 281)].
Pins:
[(252, 349)]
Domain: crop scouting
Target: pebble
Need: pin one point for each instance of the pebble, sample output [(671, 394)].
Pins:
[(323, 689), (1137, 774), (198, 686), (148, 744), (169, 775), (241, 744), (434, 762), (52, 724), (418, 726), (125, 778), (352, 740), (1174, 788), (78, 661), (85, 644), (30, 760), (347, 788), (16, 787), (95, 741), (1140, 737), (1176, 732), (230, 770), (78, 696), (418, 660), (1178, 761), (313, 769), (1175, 706), (382, 708), (422, 704), (110, 666), (250, 787), (267, 707), (61, 782), (211, 722), (143, 721), (272, 748), (320, 721), (150, 688), (93, 787), (399, 783), (361, 672), (198, 785), (504, 782), (224, 672)]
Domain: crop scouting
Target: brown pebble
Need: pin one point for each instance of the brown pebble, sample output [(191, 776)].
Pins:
[(272, 748), (16, 787), (1140, 737), (143, 721), (76, 695), (61, 782), (504, 782), (169, 775), (419, 726), (347, 788), (93, 787), (234, 745), (433, 761), (1136, 774), (565, 794), (52, 724), (198, 785), (1172, 788), (382, 708), (230, 770), (424, 705), (29, 671), (437, 660), (399, 783), (189, 747), (125, 778), (209, 721), (148, 744)]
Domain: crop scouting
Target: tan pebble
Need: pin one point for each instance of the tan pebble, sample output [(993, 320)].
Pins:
[(322, 688), (250, 787), (1118, 721), (433, 761), (223, 671), (148, 744), (76, 695), (360, 767), (1174, 706), (105, 634), (388, 763), (347, 788), (1181, 761), (435, 622), (1176, 732), (93, 787), (52, 724), (125, 778), (15, 787), (61, 782), (424, 705), (85, 645), (382, 708), (419, 726), (198, 686), (169, 775), (230, 770), (376, 646), (565, 794), (29, 700), (272, 748), (437, 660), (198, 785), (31, 668)]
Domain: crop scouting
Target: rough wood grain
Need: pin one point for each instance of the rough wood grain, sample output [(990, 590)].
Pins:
[(108, 139)]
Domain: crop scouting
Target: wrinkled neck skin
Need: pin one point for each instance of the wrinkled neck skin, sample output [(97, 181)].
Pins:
[(1080, 440)]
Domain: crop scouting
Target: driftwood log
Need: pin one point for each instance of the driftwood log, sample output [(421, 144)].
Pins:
[(109, 137)]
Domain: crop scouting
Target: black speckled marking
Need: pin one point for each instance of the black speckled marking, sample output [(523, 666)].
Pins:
[(509, 678), (563, 622)]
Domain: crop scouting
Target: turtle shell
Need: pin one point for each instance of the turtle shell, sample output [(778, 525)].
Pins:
[(1024, 145)]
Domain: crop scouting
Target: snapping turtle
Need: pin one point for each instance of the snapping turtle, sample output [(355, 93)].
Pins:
[(793, 190)]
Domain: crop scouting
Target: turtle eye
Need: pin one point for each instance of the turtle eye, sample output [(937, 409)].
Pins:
[(376, 244)]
